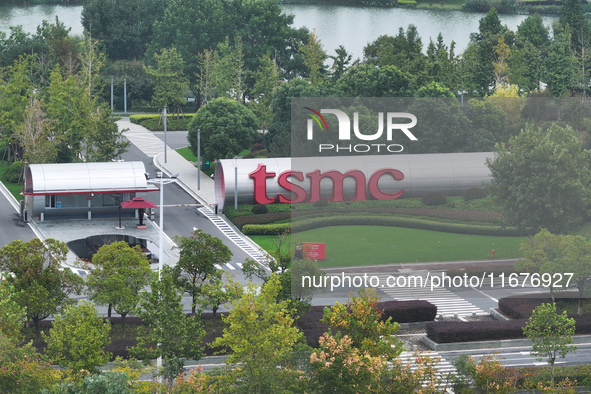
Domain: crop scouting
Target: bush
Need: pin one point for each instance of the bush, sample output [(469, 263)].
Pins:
[(408, 311), (320, 204), (259, 209), (257, 146), (266, 229), (14, 173), (154, 122), (475, 193), (454, 331), (421, 224), (434, 199)]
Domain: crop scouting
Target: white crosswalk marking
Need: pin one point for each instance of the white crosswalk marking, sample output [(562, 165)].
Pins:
[(443, 368), (145, 141), (447, 302), (230, 266), (218, 266), (234, 236)]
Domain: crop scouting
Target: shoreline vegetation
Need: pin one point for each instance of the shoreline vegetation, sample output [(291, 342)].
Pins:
[(548, 7)]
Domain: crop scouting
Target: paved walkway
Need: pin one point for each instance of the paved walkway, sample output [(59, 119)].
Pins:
[(203, 190)]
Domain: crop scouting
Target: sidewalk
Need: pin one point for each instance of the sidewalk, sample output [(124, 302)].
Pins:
[(175, 163)]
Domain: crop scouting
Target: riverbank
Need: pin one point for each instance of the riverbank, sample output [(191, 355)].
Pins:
[(506, 7)]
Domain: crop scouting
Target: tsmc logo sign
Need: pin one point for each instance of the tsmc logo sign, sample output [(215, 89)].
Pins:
[(391, 120), (311, 191)]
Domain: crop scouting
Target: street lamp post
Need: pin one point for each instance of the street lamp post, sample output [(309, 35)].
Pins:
[(161, 236)]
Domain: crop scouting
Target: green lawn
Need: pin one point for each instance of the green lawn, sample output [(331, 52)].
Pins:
[(369, 245), (14, 188), (187, 154)]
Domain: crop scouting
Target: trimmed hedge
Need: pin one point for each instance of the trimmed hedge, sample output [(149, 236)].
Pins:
[(454, 331), (408, 311), (266, 229), (459, 331), (421, 224), (259, 209), (154, 123), (434, 199)]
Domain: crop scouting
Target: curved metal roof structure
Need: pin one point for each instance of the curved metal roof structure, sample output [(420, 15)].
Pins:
[(81, 178)]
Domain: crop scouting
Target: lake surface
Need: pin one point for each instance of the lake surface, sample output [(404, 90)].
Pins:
[(353, 27)]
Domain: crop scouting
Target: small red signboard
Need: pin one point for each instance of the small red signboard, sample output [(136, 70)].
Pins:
[(313, 251)]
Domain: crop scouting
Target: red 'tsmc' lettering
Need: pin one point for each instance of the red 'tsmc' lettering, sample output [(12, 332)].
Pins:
[(260, 176)]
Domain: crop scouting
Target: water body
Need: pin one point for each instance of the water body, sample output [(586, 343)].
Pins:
[(353, 27)]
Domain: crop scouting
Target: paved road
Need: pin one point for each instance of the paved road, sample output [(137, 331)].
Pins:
[(12, 227)]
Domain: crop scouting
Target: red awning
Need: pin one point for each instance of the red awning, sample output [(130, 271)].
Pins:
[(137, 203)]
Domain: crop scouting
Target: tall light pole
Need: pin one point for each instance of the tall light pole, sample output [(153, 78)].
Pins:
[(161, 236)]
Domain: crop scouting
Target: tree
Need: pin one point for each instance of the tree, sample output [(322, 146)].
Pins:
[(124, 27), (199, 254), (361, 321), (314, 57), (340, 63), (119, 273), (24, 370), (103, 141), (167, 332), (227, 127), (218, 292), (77, 340), (12, 316), (561, 65), (260, 333), (550, 334), (542, 255), (369, 81), (41, 287), (266, 80), (35, 135), (169, 79), (541, 178)]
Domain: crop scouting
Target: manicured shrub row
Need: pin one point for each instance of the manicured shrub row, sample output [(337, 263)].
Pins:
[(266, 218), (399, 311), (408, 311), (521, 307), (266, 229), (154, 122), (434, 199), (453, 331), (475, 193), (312, 223), (457, 331), (259, 209)]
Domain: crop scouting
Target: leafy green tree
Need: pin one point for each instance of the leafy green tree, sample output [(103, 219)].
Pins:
[(124, 27), (434, 89), (199, 254), (550, 333), (23, 370), (561, 65), (489, 118), (67, 107), (119, 273), (169, 79), (266, 80), (34, 135), (103, 140), (260, 333), (92, 60), (361, 320), (168, 332), (41, 287), (314, 57), (218, 291), (12, 316), (541, 178), (227, 127), (532, 29), (526, 66), (340, 63), (369, 81), (15, 91), (457, 136), (77, 340)]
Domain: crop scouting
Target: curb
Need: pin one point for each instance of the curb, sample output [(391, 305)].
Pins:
[(499, 344)]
